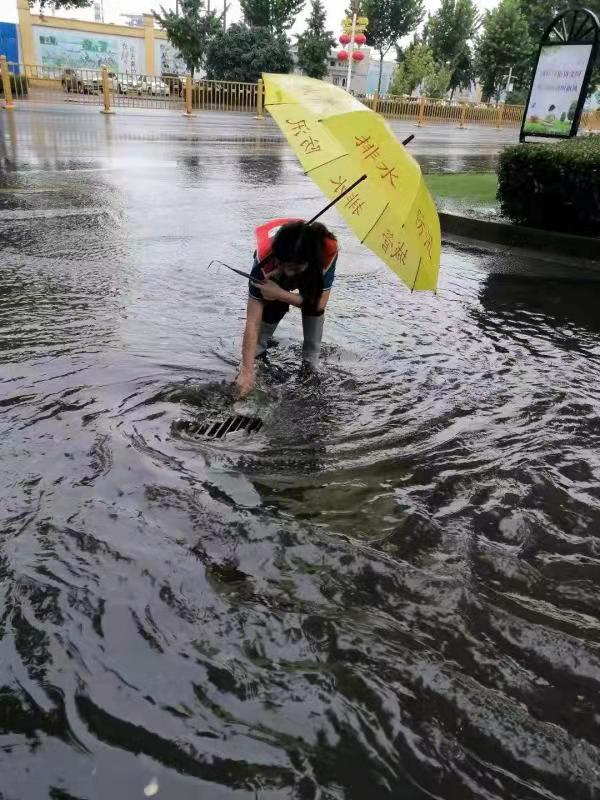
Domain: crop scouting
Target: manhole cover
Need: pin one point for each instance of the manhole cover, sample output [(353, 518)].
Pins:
[(217, 428)]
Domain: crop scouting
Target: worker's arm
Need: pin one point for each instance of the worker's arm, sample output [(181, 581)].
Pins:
[(272, 291), (324, 299), (244, 382)]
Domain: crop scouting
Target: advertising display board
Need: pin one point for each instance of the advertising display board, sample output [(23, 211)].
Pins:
[(557, 86), (562, 75)]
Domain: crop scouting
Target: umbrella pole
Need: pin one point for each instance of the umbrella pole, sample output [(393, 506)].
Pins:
[(336, 200)]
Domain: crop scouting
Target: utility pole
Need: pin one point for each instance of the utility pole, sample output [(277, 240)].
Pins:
[(351, 48), (507, 88)]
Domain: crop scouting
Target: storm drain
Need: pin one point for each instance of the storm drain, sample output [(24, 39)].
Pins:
[(218, 428)]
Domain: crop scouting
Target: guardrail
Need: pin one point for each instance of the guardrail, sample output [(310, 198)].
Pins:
[(40, 84), (425, 109)]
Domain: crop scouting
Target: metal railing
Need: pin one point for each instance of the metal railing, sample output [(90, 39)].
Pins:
[(424, 109), (226, 96), (40, 84), (103, 87)]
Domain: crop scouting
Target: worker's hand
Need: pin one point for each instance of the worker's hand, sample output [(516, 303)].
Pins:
[(271, 291), (244, 383)]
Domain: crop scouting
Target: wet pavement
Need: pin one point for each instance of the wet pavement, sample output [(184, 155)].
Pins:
[(390, 590)]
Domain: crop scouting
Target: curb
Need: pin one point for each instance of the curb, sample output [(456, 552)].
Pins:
[(544, 243)]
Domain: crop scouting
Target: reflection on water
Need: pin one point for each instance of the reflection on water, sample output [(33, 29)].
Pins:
[(389, 591)]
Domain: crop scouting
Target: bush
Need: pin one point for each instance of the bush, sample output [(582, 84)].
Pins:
[(242, 53), (552, 186), (18, 84)]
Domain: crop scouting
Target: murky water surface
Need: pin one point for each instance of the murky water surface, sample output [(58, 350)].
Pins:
[(390, 591)]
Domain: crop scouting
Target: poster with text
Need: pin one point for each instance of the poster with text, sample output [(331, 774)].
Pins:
[(60, 48), (556, 88)]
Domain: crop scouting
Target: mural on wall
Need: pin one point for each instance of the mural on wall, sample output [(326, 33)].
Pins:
[(59, 48), (168, 60)]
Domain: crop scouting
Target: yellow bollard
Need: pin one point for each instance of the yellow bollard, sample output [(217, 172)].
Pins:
[(260, 98), (188, 97), (463, 115), (500, 115), (422, 102), (106, 92), (8, 98)]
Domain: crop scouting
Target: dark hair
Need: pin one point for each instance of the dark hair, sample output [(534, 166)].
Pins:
[(300, 243)]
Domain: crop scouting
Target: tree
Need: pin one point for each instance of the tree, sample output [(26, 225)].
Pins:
[(315, 43), (390, 20), (242, 53), (539, 14), (191, 31), (504, 43), (55, 5), (416, 65), (436, 82), (449, 33), (276, 15)]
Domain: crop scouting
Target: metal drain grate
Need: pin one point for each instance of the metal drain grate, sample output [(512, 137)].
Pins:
[(218, 428)]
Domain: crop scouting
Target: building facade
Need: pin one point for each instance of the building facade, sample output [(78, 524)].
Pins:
[(365, 73), (58, 43)]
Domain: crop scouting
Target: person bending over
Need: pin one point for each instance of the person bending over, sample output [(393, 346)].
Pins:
[(299, 272)]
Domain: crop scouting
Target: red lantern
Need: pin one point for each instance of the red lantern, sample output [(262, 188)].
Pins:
[(358, 55), (342, 55), (360, 38), (344, 39)]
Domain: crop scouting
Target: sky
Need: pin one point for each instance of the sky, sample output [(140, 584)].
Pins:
[(114, 8)]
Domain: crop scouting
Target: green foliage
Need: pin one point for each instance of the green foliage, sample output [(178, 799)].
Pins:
[(552, 186), (449, 33), (390, 20), (191, 31), (315, 43), (276, 15), (518, 97), (504, 43), (436, 83), (539, 14), (477, 188), (55, 5), (418, 67), (242, 53), (18, 84)]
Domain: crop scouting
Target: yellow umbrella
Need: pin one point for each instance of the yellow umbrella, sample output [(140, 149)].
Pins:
[(338, 141)]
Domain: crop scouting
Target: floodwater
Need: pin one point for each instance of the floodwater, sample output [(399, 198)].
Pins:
[(389, 591)]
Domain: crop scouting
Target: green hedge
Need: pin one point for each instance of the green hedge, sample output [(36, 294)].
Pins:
[(18, 84), (555, 186)]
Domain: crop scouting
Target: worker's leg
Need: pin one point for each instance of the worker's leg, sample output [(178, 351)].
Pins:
[(312, 327), (273, 313)]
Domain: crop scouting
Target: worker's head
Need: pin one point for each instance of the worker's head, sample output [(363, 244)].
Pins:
[(298, 249)]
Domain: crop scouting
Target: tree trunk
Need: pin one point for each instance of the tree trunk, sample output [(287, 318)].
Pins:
[(380, 72)]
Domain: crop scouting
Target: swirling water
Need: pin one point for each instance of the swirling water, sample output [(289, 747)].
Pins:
[(388, 592)]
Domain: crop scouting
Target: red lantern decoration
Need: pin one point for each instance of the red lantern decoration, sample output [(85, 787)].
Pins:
[(344, 39), (342, 55), (357, 55), (360, 38)]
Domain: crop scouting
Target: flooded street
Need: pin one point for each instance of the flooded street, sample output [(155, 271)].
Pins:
[(389, 591)]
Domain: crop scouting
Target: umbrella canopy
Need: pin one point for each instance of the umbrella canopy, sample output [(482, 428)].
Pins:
[(338, 140)]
